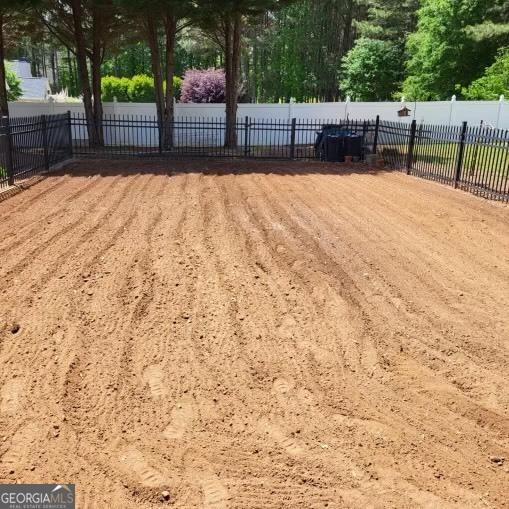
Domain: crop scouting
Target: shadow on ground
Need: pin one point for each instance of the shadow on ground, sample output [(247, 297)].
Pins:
[(107, 167)]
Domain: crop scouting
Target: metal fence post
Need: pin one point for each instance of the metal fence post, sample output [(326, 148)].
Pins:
[(292, 138), (246, 136), (411, 145), (375, 139), (69, 132), (461, 150), (160, 131), (44, 129), (9, 163)]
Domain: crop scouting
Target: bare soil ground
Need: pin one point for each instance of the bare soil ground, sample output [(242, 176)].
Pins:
[(255, 335)]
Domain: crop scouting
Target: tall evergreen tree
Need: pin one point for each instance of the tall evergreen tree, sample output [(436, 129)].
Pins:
[(225, 21), (162, 18), (87, 28), (10, 17), (296, 52), (375, 67)]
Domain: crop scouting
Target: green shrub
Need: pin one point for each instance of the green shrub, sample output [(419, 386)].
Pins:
[(14, 91), (3, 173), (138, 89), (112, 87), (177, 86), (141, 89)]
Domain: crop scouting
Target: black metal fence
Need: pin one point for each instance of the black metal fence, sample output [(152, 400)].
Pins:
[(135, 135), (473, 158), (32, 145)]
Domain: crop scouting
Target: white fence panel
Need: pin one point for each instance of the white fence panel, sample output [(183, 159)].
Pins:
[(494, 113)]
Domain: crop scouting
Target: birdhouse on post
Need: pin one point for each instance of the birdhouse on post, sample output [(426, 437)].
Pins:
[(404, 112)]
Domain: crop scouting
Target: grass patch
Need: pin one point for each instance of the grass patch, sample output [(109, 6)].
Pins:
[(477, 159)]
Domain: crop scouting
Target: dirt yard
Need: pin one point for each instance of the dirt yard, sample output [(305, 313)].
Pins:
[(254, 335)]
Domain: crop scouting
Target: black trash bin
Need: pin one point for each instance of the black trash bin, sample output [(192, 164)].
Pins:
[(335, 141), (353, 145), (335, 148)]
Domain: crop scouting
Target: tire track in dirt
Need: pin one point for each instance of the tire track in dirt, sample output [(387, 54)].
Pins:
[(490, 418), (280, 437), (22, 238), (130, 330), (29, 258), (287, 328), (76, 385), (272, 202), (40, 194), (81, 362), (393, 316), (310, 271), (239, 387), (304, 397), (55, 351)]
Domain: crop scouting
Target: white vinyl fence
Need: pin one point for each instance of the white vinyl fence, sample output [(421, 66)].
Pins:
[(133, 121), (494, 113)]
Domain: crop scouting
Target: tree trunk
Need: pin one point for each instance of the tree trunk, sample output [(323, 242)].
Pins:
[(73, 89), (169, 113), (4, 106), (232, 60), (96, 62), (155, 61), (81, 58), (54, 77)]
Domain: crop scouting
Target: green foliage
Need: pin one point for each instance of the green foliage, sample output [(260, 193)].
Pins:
[(311, 50), (14, 91), (296, 52), (389, 20), (444, 57), (112, 87), (177, 86), (372, 70), (138, 89), (494, 82), (129, 61)]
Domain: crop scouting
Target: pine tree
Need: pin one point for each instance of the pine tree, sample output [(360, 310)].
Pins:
[(10, 16)]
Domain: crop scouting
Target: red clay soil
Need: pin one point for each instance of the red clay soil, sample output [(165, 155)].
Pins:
[(254, 335)]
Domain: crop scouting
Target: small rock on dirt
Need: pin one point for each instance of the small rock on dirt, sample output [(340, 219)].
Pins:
[(15, 328), (165, 495), (498, 460)]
